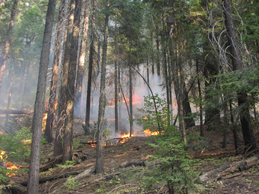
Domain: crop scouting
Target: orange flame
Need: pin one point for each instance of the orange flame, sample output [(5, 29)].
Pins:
[(44, 120), (9, 165), (150, 133), (12, 167)]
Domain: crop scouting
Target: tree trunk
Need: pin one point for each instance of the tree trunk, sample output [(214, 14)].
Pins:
[(116, 83), (33, 183), (54, 77), (72, 41), (25, 77), (247, 130), (157, 48), (82, 57), (102, 100), (200, 100), (90, 70), (9, 99), (7, 42), (130, 96), (58, 147)]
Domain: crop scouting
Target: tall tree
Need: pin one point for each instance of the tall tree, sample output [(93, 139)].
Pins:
[(102, 99), (54, 76), (82, 57), (33, 182), (236, 58), (58, 147), (90, 68), (70, 89), (7, 41)]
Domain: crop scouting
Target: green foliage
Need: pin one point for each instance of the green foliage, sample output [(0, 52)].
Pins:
[(76, 143), (15, 144), (16, 147), (68, 164), (153, 118), (71, 183), (175, 163)]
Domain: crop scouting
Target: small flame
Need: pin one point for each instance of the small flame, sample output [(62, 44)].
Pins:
[(151, 133), (111, 119), (44, 120), (3, 155)]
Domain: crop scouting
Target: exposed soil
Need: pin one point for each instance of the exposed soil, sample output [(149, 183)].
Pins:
[(209, 150)]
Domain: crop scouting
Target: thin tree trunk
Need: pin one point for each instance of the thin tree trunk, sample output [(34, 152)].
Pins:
[(54, 77), (102, 100), (90, 70), (248, 134), (200, 100), (9, 99), (157, 48), (7, 42), (70, 89), (33, 183), (116, 83), (25, 78), (130, 96), (233, 127)]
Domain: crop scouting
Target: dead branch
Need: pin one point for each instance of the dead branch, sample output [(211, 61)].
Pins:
[(51, 164), (226, 169), (57, 176), (134, 162), (121, 187)]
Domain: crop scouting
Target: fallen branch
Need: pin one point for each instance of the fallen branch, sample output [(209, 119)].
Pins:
[(120, 187), (51, 164), (227, 169), (134, 162), (85, 174), (57, 176)]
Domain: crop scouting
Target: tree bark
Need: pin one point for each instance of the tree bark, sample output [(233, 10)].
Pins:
[(33, 183), (72, 41), (58, 147), (90, 69), (102, 100), (130, 96), (82, 57), (116, 83), (248, 134), (7, 42), (54, 77), (200, 100)]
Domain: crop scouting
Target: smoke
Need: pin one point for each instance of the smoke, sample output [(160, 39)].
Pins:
[(140, 90)]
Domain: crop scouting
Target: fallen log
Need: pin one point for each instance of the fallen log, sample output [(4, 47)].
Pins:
[(85, 174), (134, 162), (51, 164), (226, 169), (53, 177)]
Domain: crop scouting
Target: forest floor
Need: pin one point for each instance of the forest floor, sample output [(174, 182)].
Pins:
[(125, 164)]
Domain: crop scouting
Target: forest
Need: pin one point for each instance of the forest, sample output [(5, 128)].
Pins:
[(129, 96)]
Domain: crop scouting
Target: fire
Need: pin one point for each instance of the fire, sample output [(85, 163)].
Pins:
[(111, 119), (44, 120), (9, 165), (3, 155), (150, 133)]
